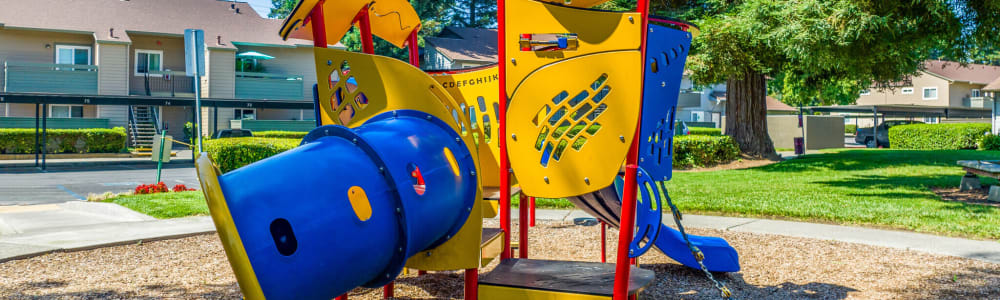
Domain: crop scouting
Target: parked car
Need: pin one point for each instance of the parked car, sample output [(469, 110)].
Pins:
[(232, 133), (864, 135)]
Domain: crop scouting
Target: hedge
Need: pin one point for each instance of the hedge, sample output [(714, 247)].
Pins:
[(87, 140), (232, 153), (990, 142), (704, 150), (850, 129), (705, 131), (937, 136), (280, 134)]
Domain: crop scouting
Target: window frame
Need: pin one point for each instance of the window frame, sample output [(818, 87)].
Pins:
[(973, 92), (866, 92), (923, 95), (904, 92), (70, 106), (90, 53), (135, 65), (242, 113)]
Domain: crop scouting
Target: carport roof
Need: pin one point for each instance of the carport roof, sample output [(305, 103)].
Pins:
[(907, 110)]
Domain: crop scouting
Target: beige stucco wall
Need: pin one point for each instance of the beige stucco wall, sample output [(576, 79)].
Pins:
[(173, 55), (289, 61), (821, 132), (959, 91), (895, 96), (113, 79), (175, 117), (28, 110), (30, 46)]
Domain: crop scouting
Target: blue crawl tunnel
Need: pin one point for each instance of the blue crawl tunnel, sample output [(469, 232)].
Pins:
[(349, 206)]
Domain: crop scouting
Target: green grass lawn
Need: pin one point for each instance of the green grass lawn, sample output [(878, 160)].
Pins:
[(885, 188), (165, 205)]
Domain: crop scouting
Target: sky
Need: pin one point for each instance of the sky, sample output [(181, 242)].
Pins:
[(263, 7)]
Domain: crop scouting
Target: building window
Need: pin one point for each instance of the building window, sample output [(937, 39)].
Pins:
[(66, 111), (931, 120), (72, 55), (930, 93), (908, 91), (866, 92), (245, 114), (697, 116), (148, 60), (976, 93)]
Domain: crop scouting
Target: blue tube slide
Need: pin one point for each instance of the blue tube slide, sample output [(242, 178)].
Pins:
[(349, 206)]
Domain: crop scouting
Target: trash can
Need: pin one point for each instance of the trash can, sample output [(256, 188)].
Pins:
[(800, 146)]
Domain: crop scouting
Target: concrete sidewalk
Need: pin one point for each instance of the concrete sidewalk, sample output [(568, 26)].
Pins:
[(182, 157), (31, 230), (27, 231)]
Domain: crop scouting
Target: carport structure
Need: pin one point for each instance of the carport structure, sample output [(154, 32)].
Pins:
[(42, 101), (903, 110)]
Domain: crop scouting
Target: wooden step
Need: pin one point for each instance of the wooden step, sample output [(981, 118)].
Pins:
[(553, 279), (491, 244)]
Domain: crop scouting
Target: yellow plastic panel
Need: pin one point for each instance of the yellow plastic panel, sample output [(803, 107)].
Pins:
[(577, 3), (494, 292), (208, 175), (597, 31), (571, 123), (460, 252), (359, 202), (391, 20), (476, 93)]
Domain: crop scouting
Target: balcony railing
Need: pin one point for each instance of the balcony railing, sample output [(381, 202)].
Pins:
[(978, 102), (167, 83), (49, 78), (268, 86)]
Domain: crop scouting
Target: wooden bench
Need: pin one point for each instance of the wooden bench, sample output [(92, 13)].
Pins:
[(974, 169)]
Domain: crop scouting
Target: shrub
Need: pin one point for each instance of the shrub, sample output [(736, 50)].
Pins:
[(88, 140), (937, 136), (280, 134), (232, 153), (850, 129), (990, 142), (703, 150), (705, 131)]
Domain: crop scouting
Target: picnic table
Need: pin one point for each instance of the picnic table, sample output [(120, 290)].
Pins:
[(976, 168)]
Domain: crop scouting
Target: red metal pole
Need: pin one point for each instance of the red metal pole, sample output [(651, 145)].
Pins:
[(502, 130), (623, 265), (388, 291), (421, 272), (604, 242), (365, 24), (522, 223), (471, 284), (342, 297), (532, 210), (318, 26), (414, 47)]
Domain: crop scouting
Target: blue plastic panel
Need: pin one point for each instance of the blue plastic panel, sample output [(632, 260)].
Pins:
[(666, 53)]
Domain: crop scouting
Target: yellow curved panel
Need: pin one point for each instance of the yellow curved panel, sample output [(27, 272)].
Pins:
[(476, 93), (359, 202), (208, 175), (572, 122), (577, 3), (597, 31), (391, 20)]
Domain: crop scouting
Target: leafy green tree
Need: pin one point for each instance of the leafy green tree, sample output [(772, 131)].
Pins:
[(280, 9), (474, 13), (823, 51)]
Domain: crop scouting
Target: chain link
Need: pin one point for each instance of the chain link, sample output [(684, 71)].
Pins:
[(698, 255)]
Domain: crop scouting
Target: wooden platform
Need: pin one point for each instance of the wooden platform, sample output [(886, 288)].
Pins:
[(550, 279), (491, 245)]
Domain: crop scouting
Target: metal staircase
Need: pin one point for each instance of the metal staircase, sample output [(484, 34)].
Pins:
[(142, 126)]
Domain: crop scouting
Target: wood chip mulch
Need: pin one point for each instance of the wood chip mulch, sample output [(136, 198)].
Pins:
[(774, 267)]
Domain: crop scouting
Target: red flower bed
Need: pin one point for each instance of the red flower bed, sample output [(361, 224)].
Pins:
[(159, 187)]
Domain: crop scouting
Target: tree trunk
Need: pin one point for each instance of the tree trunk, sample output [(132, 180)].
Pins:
[(746, 115)]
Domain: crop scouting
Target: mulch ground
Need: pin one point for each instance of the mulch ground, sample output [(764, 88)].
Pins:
[(774, 267), (972, 197)]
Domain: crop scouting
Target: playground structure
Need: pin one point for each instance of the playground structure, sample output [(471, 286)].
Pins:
[(405, 164)]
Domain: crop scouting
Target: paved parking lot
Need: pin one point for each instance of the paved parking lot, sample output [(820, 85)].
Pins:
[(24, 186)]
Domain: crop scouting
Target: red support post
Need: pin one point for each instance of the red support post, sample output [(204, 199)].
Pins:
[(388, 290), (365, 24), (502, 131), (522, 223), (421, 272), (342, 297), (604, 242), (318, 26), (625, 229), (414, 46), (471, 284), (532, 210)]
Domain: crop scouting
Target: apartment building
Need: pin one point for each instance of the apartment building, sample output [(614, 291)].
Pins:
[(134, 50)]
